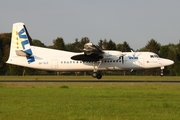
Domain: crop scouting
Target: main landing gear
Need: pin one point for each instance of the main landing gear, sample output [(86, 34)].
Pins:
[(96, 74)]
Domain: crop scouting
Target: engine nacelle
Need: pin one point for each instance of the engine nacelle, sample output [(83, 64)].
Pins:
[(112, 55), (90, 49)]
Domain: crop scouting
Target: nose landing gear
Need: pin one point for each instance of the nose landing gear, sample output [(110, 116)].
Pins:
[(162, 68)]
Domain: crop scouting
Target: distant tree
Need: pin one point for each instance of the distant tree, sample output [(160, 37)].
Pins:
[(76, 46), (144, 49), (105, 44), (1, 62), (119, 47), (100, 44), (153, 46), (111, 45), (59, 44), (69, 47), (124, 47), (178, 51), (83, 41), (173, 54), (38, 43), (5, 39), (164, 51)]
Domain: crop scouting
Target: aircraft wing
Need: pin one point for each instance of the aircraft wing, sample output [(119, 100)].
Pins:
[(91, 53)]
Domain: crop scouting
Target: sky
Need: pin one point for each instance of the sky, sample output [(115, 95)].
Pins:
[(133, 21)]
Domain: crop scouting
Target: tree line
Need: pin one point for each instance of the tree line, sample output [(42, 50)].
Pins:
[(170, 51)]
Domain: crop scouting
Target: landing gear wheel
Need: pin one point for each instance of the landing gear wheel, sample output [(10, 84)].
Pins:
[(94, 74), (162, 71), (99, 76), (161, 74)]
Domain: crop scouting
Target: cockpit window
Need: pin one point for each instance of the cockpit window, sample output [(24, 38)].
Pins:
[(154, 56), (151, 56)]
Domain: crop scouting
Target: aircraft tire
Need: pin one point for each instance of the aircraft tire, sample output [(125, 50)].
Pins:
[(94, 74), (99, 76)]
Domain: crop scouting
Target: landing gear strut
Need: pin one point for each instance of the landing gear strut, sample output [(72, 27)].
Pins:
[(162, 68), (96, 74)]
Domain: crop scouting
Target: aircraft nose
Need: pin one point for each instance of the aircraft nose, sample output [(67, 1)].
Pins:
[(166, 62)]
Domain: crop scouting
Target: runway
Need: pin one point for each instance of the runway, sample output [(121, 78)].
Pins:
[(91, 81)]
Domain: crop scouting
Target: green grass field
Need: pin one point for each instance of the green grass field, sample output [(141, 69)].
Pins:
[(89, 101)]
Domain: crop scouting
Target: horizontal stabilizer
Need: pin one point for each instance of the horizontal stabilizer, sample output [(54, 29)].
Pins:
[(24, 53)]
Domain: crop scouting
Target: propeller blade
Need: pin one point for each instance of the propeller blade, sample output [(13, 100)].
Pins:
[(122, 59)]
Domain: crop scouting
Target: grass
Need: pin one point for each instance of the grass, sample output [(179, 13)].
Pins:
[(82, 101)]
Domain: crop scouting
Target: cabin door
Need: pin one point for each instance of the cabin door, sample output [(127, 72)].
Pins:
[(54, 64)]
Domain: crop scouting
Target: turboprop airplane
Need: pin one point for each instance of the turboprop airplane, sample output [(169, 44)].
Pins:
[(23, 53)]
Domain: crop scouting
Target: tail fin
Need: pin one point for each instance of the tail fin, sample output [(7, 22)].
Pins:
[(20, 44)]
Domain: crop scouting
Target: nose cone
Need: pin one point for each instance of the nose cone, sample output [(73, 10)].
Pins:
[(166, 62)]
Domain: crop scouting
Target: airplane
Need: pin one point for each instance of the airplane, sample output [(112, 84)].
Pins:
[(23, 53)]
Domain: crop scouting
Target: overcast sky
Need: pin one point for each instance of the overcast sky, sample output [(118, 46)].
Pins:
[(133, 21)]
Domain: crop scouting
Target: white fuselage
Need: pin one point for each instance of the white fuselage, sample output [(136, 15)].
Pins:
[(58, 60)]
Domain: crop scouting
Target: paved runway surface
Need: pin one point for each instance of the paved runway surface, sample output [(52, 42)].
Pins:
[(89, 81)]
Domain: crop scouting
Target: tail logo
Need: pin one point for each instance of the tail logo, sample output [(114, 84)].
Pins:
[(130, 57), (26, 46)]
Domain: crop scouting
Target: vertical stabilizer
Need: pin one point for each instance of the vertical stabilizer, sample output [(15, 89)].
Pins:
[(20, 44)]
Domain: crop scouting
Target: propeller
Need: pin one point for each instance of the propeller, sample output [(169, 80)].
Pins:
[(90, 48), (122, 58)]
